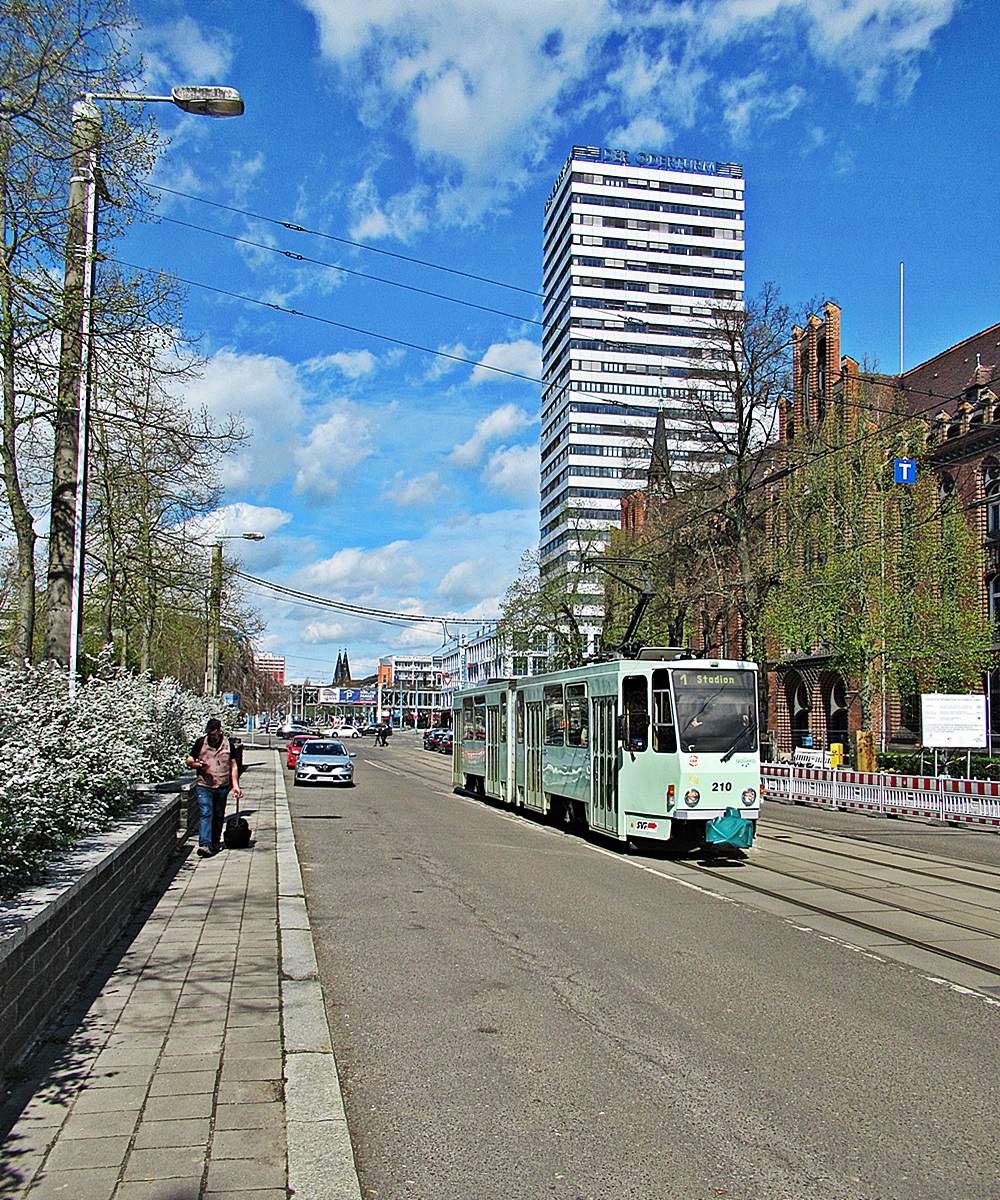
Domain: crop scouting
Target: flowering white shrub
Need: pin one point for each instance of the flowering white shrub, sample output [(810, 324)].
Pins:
[(68, 767)]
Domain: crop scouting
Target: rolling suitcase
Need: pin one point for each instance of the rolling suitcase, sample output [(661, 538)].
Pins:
[(236, 834)]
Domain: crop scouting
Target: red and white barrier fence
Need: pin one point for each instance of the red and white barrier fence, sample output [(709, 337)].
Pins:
[(960, 801)]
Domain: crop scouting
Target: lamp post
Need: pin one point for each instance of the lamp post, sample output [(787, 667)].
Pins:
[(215, 609), (68, 521)]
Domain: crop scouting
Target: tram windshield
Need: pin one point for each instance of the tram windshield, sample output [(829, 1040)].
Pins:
[(716, 711)]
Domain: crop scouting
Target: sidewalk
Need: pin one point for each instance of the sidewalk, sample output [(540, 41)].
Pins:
[(204, 1066)]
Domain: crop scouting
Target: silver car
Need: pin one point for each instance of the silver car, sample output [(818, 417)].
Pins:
[(323, 761)]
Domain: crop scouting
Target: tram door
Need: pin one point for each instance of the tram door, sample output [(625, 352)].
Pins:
[(494, 785), (533, 797), (604, 766)]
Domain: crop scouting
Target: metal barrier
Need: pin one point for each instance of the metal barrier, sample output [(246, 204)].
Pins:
[(938, 798)]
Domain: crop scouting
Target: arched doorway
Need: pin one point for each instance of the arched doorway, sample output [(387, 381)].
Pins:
[(799, 704), (835, 704)]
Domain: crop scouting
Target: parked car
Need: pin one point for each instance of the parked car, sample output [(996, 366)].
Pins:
[(295, 745), (345, 731), (323, 760), (445, 742), (432, 737)]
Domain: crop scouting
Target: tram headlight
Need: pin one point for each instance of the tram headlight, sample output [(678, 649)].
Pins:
[(691, 797), (749, 797)]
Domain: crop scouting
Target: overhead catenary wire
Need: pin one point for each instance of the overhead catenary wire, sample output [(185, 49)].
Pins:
[(381, 337), (295, 227), (318, 262), (386, 616)]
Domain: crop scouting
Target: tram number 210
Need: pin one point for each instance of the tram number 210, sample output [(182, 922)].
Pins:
[(722, 785)]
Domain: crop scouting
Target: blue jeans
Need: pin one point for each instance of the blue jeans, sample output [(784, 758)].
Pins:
[(212, 805)]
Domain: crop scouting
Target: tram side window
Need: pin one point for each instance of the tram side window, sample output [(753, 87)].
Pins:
[(480, 704), (555, 719), (635, 703), (468, 721), (664, 729), (503, 716), (577, 732), (520, 716)]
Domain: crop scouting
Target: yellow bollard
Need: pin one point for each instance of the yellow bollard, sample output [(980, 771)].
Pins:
[(865, 750)]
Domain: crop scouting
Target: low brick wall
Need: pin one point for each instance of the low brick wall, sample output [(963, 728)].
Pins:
[(52, 935)]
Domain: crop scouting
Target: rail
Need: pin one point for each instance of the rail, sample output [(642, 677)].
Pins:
[(937, 798)]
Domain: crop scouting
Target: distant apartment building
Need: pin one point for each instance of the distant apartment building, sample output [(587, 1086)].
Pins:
[(272, 665), (638, 250)]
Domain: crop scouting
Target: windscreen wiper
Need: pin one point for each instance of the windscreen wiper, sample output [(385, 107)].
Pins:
[(739, 738)]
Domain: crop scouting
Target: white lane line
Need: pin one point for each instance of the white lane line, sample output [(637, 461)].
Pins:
[(383, 767)]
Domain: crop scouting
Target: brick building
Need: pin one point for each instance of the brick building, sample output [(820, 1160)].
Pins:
[(954, 399)]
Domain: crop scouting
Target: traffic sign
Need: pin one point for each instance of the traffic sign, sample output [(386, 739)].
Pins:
[(905, 471)]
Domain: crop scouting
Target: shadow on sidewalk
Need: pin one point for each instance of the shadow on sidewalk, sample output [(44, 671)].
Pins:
[(62, 1059)]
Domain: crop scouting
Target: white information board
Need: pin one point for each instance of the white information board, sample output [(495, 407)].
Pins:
[(953, 721)]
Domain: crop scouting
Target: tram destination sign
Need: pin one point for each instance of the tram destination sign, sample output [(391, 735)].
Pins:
[(953, 721)]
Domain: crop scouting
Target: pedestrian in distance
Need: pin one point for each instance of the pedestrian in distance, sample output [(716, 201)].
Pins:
[(214, 758), (380, 736)]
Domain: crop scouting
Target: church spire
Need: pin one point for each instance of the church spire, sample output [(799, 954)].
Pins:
[(338, 670), (346, 668), (658, 476)]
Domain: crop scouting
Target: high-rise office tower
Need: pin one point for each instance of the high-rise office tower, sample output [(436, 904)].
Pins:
[(638, 250)]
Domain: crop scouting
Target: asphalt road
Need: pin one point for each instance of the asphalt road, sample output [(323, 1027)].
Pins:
[(518, 1013)]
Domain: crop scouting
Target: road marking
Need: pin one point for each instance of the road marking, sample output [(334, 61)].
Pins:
[(383, 767)]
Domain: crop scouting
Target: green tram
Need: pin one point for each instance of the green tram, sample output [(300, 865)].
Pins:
[(654, 746)]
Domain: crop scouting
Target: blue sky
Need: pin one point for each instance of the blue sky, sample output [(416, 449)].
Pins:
[(388, 477)]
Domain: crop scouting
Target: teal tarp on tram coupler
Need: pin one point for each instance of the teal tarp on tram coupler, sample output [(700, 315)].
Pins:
[(731, 830)]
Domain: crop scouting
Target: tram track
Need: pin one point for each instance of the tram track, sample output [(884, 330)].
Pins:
[(977, 886), (884, 928)]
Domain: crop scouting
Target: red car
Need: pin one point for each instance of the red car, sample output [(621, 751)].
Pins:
[(295, 745)]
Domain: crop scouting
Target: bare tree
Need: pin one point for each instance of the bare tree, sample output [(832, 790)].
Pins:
[(50, 55)]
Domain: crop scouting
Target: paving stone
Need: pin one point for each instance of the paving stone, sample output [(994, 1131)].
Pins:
[(182, 1083), (249, 1116), (244, 1175), (110, 1099), (252, 1068), (163, 1189), (178, 1108), (248, 1143), (155, 1135), (84, 1184), (74, 1154), (99, 1124), (250, 1091), (175, 1162)]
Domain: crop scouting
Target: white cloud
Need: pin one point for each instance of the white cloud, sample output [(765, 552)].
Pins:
[(494, 427), (352, 363), (421, 491), (265, 391), (751, 102), (320, 633), (183, 49), (442, 365), (233, 520), (481, 88), (333, 449), (523, 357), (513, 471), (356, 572)]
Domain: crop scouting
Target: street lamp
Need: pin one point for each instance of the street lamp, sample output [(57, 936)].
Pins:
[(215, 609), (67, 530)]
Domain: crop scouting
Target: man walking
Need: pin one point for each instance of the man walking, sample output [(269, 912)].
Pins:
[(214, 759)]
